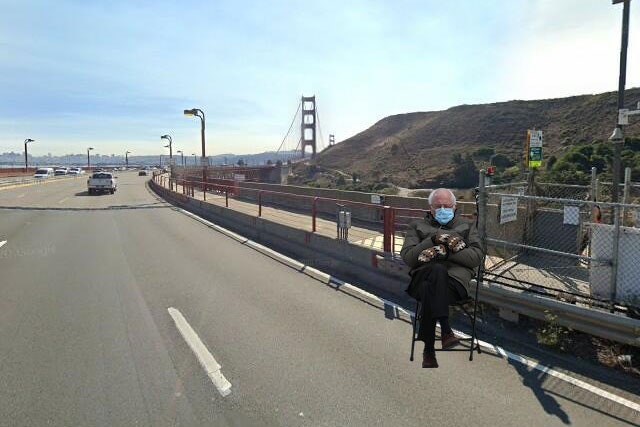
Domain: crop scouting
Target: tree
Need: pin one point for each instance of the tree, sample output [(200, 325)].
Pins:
[(484, 153), (240, 162), (501, 161)]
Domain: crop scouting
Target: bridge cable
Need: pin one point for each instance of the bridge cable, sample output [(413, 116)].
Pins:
[(290, 127)]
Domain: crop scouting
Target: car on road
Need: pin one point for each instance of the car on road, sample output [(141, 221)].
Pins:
[(75, 171), (61, 171), (102, 181), (42, 173), (142, 172)]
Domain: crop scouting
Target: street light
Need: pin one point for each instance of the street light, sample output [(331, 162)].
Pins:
[(26, 141), (126, 159), (199, 113), (168, 138), (182, 156), (88, 158)]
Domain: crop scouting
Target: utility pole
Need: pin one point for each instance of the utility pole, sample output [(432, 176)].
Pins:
[(618, 136)]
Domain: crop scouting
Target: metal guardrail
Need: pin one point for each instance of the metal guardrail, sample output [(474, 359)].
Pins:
[(610, 326), (33, 181)]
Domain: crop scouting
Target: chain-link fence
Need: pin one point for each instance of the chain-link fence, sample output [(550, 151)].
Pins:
[(558, 241)]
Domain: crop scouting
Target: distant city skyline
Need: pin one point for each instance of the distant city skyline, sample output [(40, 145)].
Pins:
[(116, 75)]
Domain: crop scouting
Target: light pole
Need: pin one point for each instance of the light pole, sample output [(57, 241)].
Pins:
[(89, 159), (168, 138), (617, 138), (126, 159), (181, 156), (199, 113), (26, 162)]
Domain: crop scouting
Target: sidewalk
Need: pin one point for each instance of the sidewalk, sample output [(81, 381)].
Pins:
[(371, 239)]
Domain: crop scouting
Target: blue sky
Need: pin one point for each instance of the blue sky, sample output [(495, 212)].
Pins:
[(117, 74)]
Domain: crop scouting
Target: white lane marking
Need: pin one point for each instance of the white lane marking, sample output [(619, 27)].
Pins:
[(20, 196), (63, 200), (206, 359), (332, 281), (2, 243)]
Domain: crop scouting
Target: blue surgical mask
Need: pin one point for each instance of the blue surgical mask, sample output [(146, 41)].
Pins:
[(444, 215)]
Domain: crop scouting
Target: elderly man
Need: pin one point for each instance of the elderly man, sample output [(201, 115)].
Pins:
[(443, 250)]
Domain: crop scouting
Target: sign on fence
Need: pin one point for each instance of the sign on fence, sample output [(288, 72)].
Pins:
[(238, 177), (377, 199), (508, 209), (571, 215)]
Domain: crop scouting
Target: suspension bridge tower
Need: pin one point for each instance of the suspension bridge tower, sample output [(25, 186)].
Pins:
[(308, 126)]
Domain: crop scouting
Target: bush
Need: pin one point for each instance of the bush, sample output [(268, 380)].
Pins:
[(502, 161), (484, 153), (552, 334)]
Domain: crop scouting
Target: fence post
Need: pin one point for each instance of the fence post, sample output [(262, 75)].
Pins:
[(226, 197), (314, 211), (614, 257), (204, 190), (387, 221), (482, 210), (594, 185), (260, 203), (625, 193)]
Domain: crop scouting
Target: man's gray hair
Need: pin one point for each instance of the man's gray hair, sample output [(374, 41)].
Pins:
[(432, 195)]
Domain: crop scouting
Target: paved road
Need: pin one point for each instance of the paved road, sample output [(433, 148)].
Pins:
[(86, 338)]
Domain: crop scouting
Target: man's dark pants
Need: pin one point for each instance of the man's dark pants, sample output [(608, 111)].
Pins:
[(437, 291)]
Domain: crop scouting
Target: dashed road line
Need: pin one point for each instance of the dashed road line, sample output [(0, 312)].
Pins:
[(2, 243), (204, 356)]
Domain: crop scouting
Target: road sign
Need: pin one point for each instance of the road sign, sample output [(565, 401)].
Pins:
[(534, 148)]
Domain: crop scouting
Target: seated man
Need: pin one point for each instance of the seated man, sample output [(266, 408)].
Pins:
[(443, 250)]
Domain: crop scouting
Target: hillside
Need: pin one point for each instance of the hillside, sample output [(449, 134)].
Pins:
[(417, 149)]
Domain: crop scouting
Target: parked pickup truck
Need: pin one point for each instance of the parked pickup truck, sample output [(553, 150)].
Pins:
[(102, 181)]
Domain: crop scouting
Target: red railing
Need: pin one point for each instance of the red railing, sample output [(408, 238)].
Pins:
[(394, 220)]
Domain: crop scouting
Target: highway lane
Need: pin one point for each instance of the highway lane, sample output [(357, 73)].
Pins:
[(86, 339)]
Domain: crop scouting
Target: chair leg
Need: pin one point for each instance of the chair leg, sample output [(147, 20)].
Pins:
[(413, 334), (475, 345)]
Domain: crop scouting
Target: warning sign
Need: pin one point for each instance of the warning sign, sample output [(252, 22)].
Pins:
[(508, 209)]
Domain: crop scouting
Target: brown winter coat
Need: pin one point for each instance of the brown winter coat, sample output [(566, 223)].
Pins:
[(461, 265)]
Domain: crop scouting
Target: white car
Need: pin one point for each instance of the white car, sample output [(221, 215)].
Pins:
[(61, 171), (102, 181), (75, 171), (42, 173)]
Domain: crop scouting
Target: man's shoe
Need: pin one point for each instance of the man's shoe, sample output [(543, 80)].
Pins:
[(449, 340), (429, 360)]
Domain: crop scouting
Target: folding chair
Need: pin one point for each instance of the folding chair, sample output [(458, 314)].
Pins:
[(463, 304)]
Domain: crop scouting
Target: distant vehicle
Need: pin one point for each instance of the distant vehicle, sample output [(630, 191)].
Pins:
[(75, 171), (61, 171), (142, 172), (42, 173), (102, 181)]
